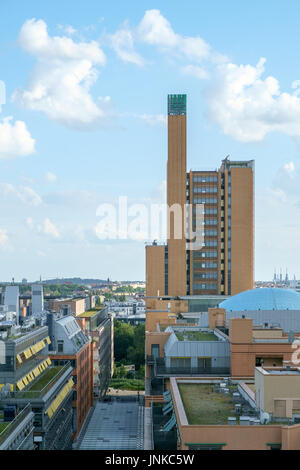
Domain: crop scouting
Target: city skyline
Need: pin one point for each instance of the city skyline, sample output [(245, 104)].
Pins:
[(60, 160)]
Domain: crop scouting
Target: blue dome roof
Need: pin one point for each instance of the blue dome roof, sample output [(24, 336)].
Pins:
[(268, 298)]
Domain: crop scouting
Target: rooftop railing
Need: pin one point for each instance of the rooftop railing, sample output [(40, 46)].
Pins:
[(15, 423), (31, 394)]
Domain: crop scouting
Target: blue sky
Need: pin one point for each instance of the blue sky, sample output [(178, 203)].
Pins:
[(84, 122)]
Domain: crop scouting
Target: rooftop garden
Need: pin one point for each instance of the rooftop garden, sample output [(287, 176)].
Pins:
[(3, 426), (44, 379), (91, 312), (196, 336), (39, 384), (204, 406)]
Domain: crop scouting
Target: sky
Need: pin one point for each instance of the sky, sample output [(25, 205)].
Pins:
[(83, 123)]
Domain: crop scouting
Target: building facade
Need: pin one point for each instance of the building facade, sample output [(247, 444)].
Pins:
[(28, 376), (210, 249), (98, 325), (70, 345)]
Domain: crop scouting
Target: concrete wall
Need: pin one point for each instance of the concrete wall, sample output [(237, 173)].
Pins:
[(155, 270), (242, 230), (176, 194)]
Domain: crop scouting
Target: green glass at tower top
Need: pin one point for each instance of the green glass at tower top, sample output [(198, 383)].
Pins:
[(176, 105)]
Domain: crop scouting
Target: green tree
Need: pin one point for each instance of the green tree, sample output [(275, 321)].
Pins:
[(123, 338), (136, 352)]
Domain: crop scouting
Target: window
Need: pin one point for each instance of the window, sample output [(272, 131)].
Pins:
[(181, 362), (60, 346), (155, 350)]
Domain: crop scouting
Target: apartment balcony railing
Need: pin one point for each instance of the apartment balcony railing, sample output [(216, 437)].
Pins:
[(31, 394), (161, 370), (150, 359), (15, 423)]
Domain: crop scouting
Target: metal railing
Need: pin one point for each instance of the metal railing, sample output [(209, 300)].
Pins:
[(15, 423), (30, 394), (160, 369)]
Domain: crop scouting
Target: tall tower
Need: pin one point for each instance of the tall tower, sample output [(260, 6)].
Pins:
[(176, 197), (221, 262)]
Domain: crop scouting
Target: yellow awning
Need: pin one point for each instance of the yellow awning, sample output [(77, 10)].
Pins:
[(20, 385), (27, 353), (19, 358)]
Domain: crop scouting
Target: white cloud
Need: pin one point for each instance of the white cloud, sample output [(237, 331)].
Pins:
[(61, 79), (122, 42), (3, 237), (247, 106), (156, 30), (29, 222), (15, 139), (50, 229), (50, 177), (153, 119), (41, 253), (287, 180), (68, 29), (25, 194), (195, 71)]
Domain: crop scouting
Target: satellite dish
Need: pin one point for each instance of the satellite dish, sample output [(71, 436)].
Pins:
[(265, 418)]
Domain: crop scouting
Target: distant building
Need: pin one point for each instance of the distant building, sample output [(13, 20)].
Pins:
[(70, 344), (98, 324), (37, 297), (11, 299), (73, 306), (27, 375)]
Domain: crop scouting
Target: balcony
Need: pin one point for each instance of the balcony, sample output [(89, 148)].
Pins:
[(41, 385), (161, 370), (11, 426), (150, 360)]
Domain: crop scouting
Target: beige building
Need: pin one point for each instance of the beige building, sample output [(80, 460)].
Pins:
[(201, 425), (277, 391), (74, 306), (221, 217)]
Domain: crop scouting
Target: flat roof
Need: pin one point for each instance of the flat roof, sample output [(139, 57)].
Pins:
[(204, 406), (89, 313), (195, 335)]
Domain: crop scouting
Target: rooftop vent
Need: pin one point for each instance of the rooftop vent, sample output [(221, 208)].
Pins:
[(231, 421), (244, 421)]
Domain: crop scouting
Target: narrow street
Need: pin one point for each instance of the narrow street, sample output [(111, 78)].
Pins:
[(116, 424)]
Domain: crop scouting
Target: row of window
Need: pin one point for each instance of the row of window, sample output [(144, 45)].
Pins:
[(198, 265), (201, 189), (210, 243), (205, 200), (210, 233), (204, 254), (205, 275), (205, 210), (205, 179), (197, 286)]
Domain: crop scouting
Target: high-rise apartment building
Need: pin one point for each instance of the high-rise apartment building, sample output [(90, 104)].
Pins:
[(37, 298), (210, 242)]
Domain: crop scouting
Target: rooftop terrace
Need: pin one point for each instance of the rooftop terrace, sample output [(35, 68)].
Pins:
[(196, 336), (90, 313), (204, 406)]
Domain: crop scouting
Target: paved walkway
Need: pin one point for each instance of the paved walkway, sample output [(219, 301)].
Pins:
[(115, 425)]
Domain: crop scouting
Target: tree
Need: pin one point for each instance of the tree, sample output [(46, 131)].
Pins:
[(129, 343), (123, 338), (136, 352)]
